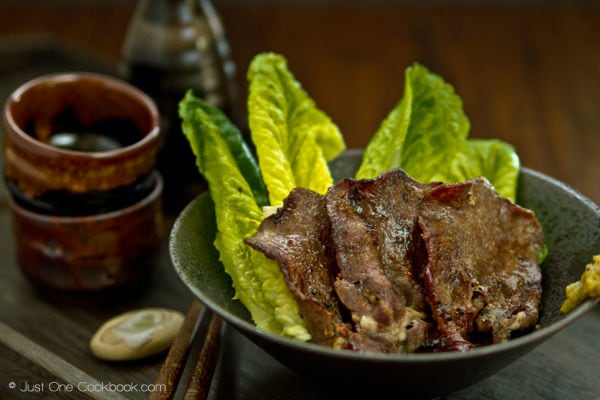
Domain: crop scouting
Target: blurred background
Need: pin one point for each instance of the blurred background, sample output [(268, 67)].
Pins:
[(527, 71)]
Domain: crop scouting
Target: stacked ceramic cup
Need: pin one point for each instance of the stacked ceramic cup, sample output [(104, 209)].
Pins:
[(79, 165)]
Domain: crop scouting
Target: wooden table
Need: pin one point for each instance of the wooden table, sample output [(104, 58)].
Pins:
[(529, 75)]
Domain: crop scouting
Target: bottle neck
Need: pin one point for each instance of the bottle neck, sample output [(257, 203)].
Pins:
[(168, 12)]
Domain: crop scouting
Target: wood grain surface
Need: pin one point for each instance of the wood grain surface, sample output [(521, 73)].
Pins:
[(527, 74)]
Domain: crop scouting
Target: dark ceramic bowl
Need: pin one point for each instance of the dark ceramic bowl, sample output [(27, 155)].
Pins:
[(572, 231)]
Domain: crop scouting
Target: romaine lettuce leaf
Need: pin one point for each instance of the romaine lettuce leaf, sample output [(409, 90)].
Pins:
[(384, 150), (236, 144), (426, 135), (257, 280), (491, 158), (293, 138)]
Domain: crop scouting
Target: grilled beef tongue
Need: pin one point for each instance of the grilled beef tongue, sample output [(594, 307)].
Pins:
[(482, 278), (395, 265), (380, 255), (298, 237)]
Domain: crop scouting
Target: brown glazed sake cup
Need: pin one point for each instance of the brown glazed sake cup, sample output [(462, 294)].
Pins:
[(79, 166)]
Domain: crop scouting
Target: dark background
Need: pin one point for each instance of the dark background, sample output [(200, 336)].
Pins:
[(527, 71)]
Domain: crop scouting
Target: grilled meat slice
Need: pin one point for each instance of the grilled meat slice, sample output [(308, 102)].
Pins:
[(298, 237), (395, 265), (380, 255), (482, 278)]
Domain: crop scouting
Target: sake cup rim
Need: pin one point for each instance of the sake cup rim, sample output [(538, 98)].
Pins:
[(25, 140)]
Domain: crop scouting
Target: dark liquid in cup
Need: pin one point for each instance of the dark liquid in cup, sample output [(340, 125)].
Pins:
[(67, 132)]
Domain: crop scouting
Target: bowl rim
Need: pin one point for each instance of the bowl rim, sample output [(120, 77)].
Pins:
[(536, 337)]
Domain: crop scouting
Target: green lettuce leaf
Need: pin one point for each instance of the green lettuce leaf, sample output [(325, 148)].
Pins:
[(236, 144), (293, 138), (257, 280), (497, 161), (426, 134), (427, 125)]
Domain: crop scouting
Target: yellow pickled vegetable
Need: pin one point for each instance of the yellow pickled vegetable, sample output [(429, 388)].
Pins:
[(587, 287)]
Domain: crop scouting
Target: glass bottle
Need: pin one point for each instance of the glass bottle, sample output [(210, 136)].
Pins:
[(172, 46)]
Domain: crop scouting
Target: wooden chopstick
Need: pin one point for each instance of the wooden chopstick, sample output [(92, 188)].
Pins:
[(170, 372), (199, 384)]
